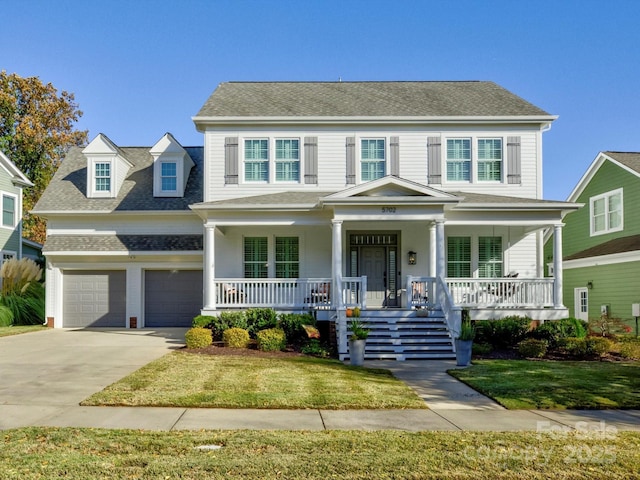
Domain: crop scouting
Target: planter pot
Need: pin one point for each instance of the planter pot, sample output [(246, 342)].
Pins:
[(356, 352), (463, 352)]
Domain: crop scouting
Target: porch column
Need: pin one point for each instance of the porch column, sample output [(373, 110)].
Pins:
[(440, 265), (432, 250), (557, 266), (336, 263), (209, 268)]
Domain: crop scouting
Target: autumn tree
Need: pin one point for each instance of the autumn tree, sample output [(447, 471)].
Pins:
[(36, 130)]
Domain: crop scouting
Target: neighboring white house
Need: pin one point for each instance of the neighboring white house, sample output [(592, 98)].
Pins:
[(12, 182), (311, 195)]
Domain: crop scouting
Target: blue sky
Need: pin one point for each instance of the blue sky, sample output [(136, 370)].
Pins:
[(142, 68)]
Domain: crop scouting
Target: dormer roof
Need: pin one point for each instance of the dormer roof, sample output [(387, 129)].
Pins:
[(18, 178)]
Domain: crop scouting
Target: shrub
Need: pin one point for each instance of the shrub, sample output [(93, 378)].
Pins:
[(6, 316), (22, 292), (481, 348), (576, 347), (504, 333), (260, 319), (315, 348), (198, 337), (271, 340), (630, 349), (598, 346), (203, 321), (555, 330), (293, 326), (225, 321), (532, 348), (236, 337)]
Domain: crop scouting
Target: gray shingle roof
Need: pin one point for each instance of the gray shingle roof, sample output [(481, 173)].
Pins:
[(356, 99), (617, 245), (122, 243), (629, 159), (67, 190)]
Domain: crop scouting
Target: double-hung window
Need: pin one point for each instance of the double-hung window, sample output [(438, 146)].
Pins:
[(8, 211), (459, 159), (287, 160), (287, 257), (606, 212), (372, 163), (489, 159), (256, 257), (169, 176), (459, 257), (103, 176), (490, 257), (256, 160)]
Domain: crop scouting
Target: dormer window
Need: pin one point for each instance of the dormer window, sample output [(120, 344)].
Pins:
[(103, 177), (169, 178)]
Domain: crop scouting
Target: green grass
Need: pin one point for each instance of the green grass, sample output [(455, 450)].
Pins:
[(522, 384), (188, 380), (42, 453), (18, 329)]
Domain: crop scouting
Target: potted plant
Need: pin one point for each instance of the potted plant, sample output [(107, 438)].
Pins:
[(464, 343), (357, 342)]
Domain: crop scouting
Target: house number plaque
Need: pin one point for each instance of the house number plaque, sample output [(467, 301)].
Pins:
[(388, 209)]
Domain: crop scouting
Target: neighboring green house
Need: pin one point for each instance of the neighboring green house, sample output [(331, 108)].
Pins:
[(601, 244), (12, 181)]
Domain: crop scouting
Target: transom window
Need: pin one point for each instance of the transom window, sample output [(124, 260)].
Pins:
[(489, 159), (103, 177), (256, 160), (287, 160), (606, 212), (169, 178), (8, 211), (372, 163), (459, 159)]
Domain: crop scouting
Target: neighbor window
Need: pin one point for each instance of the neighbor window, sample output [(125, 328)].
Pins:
[(372, 163), (606, 212), (287, 257), (8, 211), (169, 178), (287, 160), (490, 257), (255, 257), (103, 177), (490, 159), (256, 160), (459, 159), (459, 257)]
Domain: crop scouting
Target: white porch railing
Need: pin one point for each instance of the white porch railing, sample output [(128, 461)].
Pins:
[(420, 291), (431, 292), (294, 293), (502, 292)]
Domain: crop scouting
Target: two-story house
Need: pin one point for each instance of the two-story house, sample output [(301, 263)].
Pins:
[(601, 244), (12, 182), (312, 195)]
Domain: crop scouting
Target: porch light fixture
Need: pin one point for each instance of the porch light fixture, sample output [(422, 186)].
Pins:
[(412, 258), (590, 285)]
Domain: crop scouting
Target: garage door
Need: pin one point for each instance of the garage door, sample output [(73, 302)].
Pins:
[(94, 299), (172, 297)]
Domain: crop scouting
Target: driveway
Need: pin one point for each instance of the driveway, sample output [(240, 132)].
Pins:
[(64, 366)]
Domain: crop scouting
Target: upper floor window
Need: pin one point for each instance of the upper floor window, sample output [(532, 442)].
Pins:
[(169, 176), (8, 211), (372, 163), (606, 212), (256, 160), (103, 177), (489, 159), (287, 160), (459, 159)]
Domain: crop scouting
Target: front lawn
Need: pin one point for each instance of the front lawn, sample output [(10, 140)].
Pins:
[(36, 453), (523, 384), (189, 380), (18, 329)]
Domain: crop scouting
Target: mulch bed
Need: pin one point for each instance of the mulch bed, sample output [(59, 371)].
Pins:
[(252, 351)]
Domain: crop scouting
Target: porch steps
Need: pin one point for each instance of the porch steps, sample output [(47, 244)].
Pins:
[(403, 335)]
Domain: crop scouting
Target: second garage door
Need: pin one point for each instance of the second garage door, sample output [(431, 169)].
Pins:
[(94, 299), (172, 298)]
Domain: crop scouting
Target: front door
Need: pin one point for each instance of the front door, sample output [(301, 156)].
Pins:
[(581, 302), (372, 264)]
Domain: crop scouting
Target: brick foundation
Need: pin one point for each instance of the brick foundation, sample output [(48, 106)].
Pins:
[(133, 322), (50, 322)]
